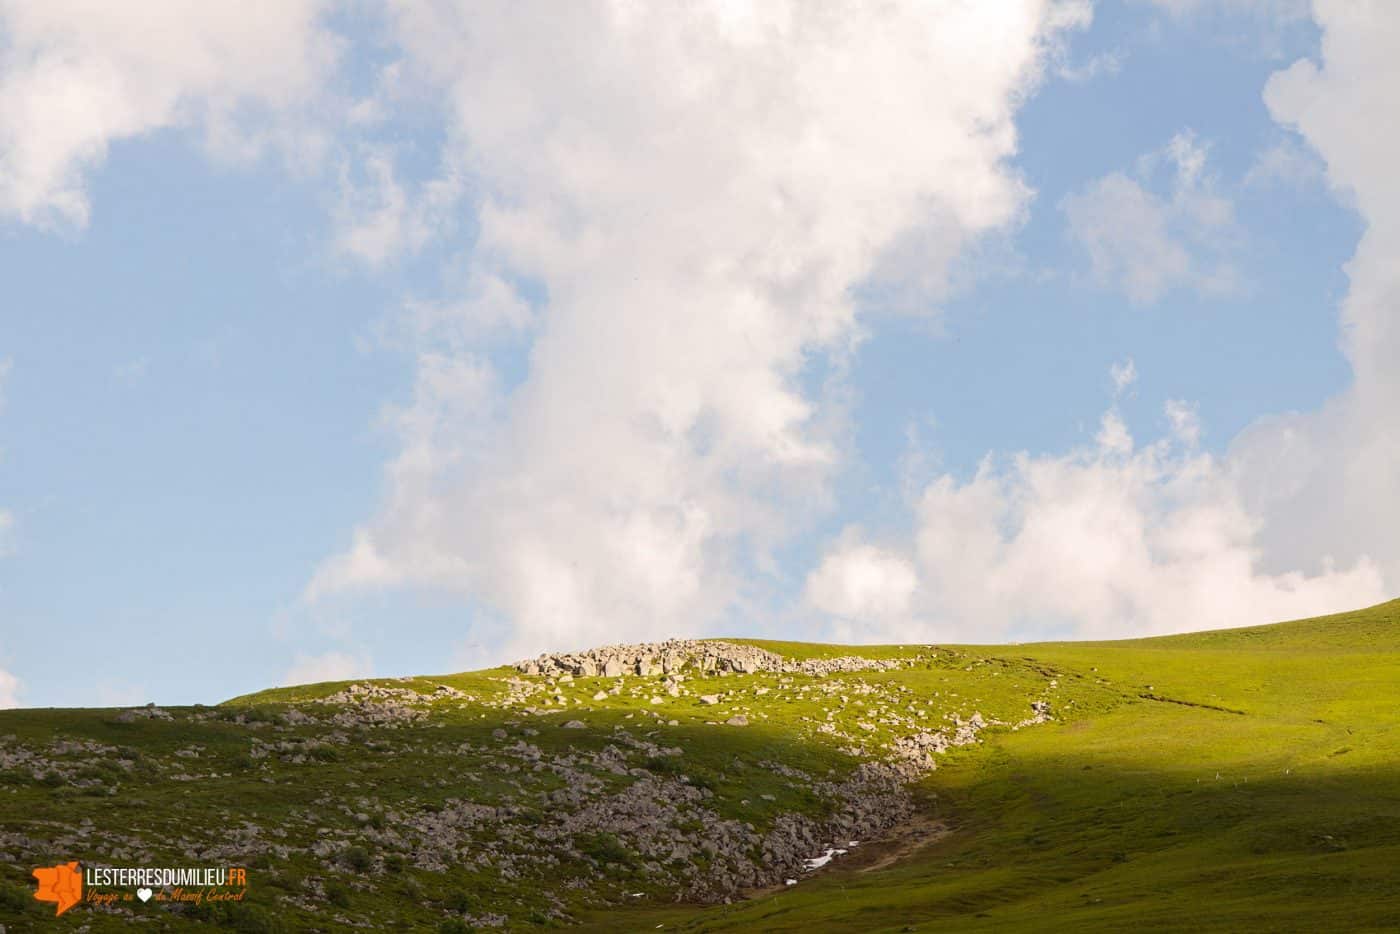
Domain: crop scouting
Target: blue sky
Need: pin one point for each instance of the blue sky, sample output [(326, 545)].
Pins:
[(367, 351)]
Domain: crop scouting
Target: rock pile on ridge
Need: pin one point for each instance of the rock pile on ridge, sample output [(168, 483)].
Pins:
[(673, 655), (920, 748)]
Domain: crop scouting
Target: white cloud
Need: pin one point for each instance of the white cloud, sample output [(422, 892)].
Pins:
[(1185, 421), (9, 690), (859, 582), (1123, 374), (77, 76), (1286, 162), (1096, 66), (1298, 518), (328, 666), (360, 566), (698, 243), (1146, 243), (1327, 481), (380, 221), (1113, 436), (484, 308), (1113, 539)]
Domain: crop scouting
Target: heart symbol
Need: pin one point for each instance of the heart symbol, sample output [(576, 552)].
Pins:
[(143, 894)]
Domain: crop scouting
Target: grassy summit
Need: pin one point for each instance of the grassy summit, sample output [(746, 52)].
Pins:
[(1245, 779)]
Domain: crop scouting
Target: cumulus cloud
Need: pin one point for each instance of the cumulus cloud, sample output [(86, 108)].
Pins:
[(1185, 421), (859, 581), (1116, 539), (1096, 66), (1110, 539), (9, 690), (698, 242), (1123, 375), (1327, 480), (328, 666), (1285, 163), (379, 220), (1146, 243), (78, 76)]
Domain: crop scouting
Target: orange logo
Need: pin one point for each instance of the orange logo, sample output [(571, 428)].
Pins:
[(62, 884)]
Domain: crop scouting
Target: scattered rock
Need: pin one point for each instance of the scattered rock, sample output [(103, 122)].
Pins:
[(149, 712), (652, 658), (1040, 713)]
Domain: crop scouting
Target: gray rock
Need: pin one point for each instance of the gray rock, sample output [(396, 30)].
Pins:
[(673, 656)]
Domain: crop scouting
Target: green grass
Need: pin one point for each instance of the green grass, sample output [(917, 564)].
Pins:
[(1158, 814), (1237, 780)]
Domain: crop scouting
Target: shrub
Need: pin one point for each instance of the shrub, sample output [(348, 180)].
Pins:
[(357, 858), (663, 765), (605, 848), (338, 894), (460, 901), (15, 901)]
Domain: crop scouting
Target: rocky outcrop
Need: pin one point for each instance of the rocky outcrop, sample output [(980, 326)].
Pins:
[(663, 824), (675, 655), (920, 748), (149, 712)]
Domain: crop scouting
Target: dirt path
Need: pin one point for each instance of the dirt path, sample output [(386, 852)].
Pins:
[(871, 856), (911, 837)]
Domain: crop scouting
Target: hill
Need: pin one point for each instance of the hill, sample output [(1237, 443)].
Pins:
[(1244, 779)]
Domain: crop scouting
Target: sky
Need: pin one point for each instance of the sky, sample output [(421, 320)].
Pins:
[(411, 336)]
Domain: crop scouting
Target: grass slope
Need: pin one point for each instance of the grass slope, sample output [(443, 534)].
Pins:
[(1244, 779), (1248, 779)]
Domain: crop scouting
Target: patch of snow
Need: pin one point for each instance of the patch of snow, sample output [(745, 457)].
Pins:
[(817, 862)]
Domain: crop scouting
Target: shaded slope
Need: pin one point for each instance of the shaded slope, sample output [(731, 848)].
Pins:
[(1161, 815)]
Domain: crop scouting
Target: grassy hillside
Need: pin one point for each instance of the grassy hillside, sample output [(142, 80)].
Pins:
[(1246, 779)]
